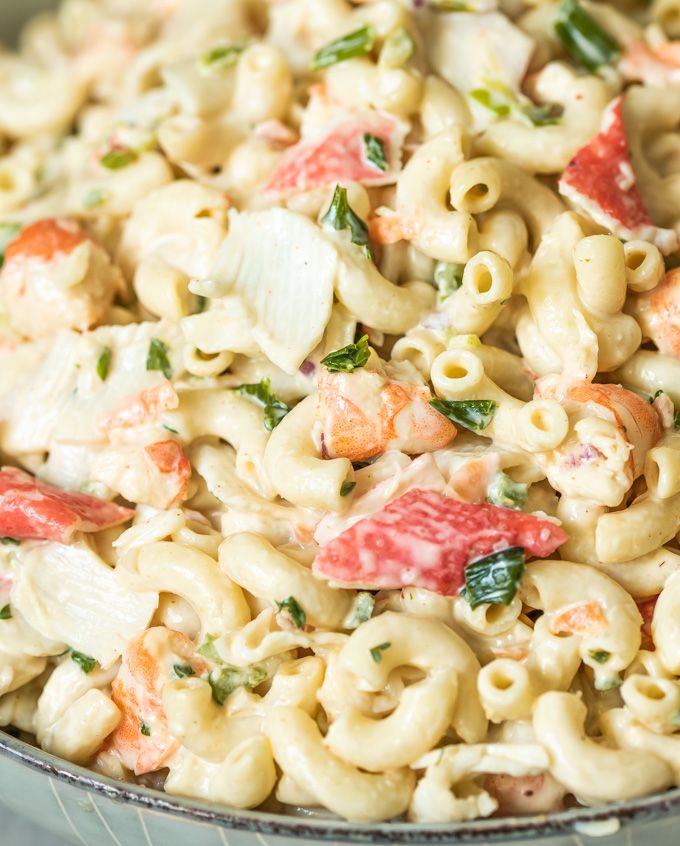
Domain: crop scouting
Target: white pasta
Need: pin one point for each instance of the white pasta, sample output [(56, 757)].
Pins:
[(339, 405)]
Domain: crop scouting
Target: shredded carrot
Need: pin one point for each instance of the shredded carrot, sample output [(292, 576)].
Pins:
[(586, 619)]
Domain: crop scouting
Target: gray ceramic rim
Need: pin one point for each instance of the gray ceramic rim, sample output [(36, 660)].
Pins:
[(489, 830)]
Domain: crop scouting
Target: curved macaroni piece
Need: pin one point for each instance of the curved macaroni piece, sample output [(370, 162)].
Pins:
[(212, 732), (578, 762), (506, 690), (628, 733), (442, 107), (244, 779), (377, 302), (536, 426), (300, 752), (182, 224), (581, 601), (420, 347), (654, 702), (421, 718), (666, 625), (294, 465), (570, 313), (426, 644), (505, 233), (75, 712), (35, 99), (662, 467), (649, 372), (233, 418), (549, 149), (191, 574), (206, 729), (487, 286), (422, 197), (19, 707), (263, 85), (480, 185), (637, 530), (360, 83), (267, 573), (505, 369)]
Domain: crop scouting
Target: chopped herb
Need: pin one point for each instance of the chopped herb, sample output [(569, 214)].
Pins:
[(201, 304), (452, 6), (583, 37), (208, 650), (340, 215), (8, 233), (96, 197), (225, 680), (362, 610), (157, 357), (118, 157), (274, 408), (183, 670), (347, 488), (448, 278), (377, 651), (495, 578), (397, 49), (104, 363), (85, 662), (675, 719), (490, 101), (505, 492), (295, 611), (357, 43), (656, 396), (170, 429), (359, 465), (474, 415), (144, 729), (504, 102), (6, 612), (222, 58), (374, 150), (10, 541), (349, 358), (676, 420), (600, 655)]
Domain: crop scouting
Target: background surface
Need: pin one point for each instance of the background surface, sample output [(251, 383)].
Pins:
[(15, 831)]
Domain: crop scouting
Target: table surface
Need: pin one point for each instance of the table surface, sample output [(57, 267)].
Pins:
[(17, 831)]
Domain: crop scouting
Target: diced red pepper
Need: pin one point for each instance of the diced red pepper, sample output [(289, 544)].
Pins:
[(31, 509), (601, 181), (425, 539), (338, 157), (646, 608)]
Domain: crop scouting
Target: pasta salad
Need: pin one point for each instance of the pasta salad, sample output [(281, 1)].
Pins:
[(339, 355)]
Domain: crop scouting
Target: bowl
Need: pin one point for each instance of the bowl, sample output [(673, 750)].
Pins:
[(92, 810)]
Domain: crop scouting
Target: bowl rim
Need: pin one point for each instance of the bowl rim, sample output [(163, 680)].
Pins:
[(603, 819)]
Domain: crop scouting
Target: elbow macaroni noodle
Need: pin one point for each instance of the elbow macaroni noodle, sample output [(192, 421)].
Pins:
[(258, 290)]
